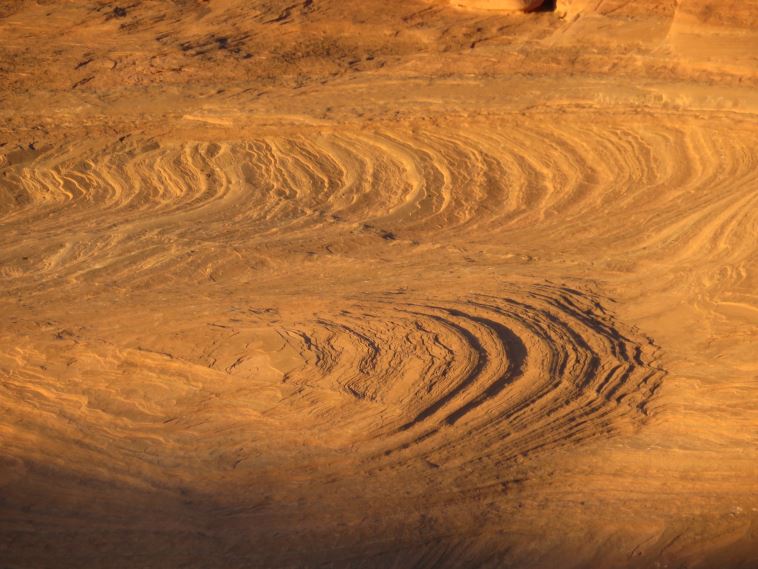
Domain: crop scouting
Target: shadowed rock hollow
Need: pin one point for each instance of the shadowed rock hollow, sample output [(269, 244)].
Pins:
[(503, 5)]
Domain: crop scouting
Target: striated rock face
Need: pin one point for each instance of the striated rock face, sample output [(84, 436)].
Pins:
[(294, 284)]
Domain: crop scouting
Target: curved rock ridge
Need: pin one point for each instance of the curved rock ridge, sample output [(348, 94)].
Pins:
[(539, 367), (407, 187)]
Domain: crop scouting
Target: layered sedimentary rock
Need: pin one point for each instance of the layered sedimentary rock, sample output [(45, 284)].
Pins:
[(377, 284)]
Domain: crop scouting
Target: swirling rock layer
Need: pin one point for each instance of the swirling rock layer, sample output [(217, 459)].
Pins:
[(328, 284)]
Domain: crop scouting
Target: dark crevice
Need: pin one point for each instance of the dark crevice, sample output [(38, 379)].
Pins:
[(547, 6)]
